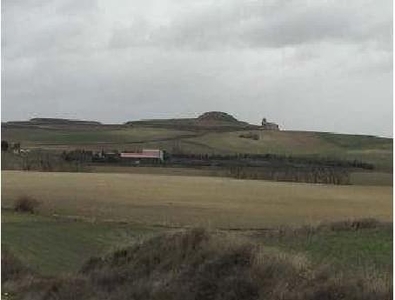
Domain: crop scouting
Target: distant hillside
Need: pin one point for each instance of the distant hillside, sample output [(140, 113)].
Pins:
[(210, 133), (55, 124), (213, 120), (209, 121), (52, 121), (62, 121)]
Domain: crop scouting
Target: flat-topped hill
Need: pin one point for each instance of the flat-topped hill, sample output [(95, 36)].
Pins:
[(62, 121), (211, 132), (52, 121), (208, 121), (213, 120)]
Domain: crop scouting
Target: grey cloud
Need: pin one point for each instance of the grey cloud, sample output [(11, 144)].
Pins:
[(258, 24), (115, 61), (47, 27)]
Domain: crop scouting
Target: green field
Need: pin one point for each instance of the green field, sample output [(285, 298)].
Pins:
[(52, 137), (371, 178), (375, 150), (52, 245), (364, 250), (356, 178), (93, 214), (110, 207)]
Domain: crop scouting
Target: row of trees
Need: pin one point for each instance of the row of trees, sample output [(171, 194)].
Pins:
[(82, 156), (274, 159), (249, 166), (5, 146), (325, 175), (224, 160)]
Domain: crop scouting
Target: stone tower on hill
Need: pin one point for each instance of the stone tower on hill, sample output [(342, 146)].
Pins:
[(269, 126)]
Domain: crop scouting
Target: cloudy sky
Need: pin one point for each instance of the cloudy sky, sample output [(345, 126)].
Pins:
[(307, 65)]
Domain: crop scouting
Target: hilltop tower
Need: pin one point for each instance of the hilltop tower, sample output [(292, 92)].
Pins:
[(269, 126)]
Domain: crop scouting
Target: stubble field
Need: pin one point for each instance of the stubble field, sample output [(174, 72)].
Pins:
[(194, 201), (93, 214)]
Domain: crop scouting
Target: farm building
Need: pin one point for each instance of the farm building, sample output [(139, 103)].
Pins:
[(147, 155), (268, 125)]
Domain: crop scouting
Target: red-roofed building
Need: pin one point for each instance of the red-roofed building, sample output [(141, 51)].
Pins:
[(145, 155)]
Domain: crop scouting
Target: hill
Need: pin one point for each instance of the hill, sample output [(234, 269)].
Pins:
[(212, 121), (217, 116), (50, 121), (210, 133), (198, 264)]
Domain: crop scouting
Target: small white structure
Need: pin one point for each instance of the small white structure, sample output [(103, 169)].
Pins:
[(268, 125)]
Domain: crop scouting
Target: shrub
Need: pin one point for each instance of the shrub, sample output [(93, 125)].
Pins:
[(11, 267), (26, 204), (4, 146), (250, 135), (199, 265)]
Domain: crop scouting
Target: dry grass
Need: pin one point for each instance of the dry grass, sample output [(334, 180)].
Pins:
[(202, 266), (195, 201), (281, 142)]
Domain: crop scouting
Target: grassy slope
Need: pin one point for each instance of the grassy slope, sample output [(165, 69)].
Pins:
[(56, 245), (371, 178), (60, 245), (43, 137), (367, 148), (53, 245), (364, 250), (183, 200)]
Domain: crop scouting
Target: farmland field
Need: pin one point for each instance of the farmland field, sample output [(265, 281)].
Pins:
[(356, 178), (371, 178), (110, 207), (194, 201), (52, 245), (375, 150), (56, 245), (85, 215), (47, 137)]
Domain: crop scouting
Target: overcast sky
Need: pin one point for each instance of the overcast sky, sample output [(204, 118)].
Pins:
[(307, 65)]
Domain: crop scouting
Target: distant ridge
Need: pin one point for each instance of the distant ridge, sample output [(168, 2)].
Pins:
[(53, 121), (212, 120), (62, 121)]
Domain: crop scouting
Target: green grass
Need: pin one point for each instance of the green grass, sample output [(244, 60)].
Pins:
[(168, 171), (356, 178), (363, 250), (377, 151), (369, 149), (371, 178), (39, 136), (349, 141), (276, 142), (58, 245)]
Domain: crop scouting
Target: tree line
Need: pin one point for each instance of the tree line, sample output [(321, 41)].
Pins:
[(308, 174), (276, 158)]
